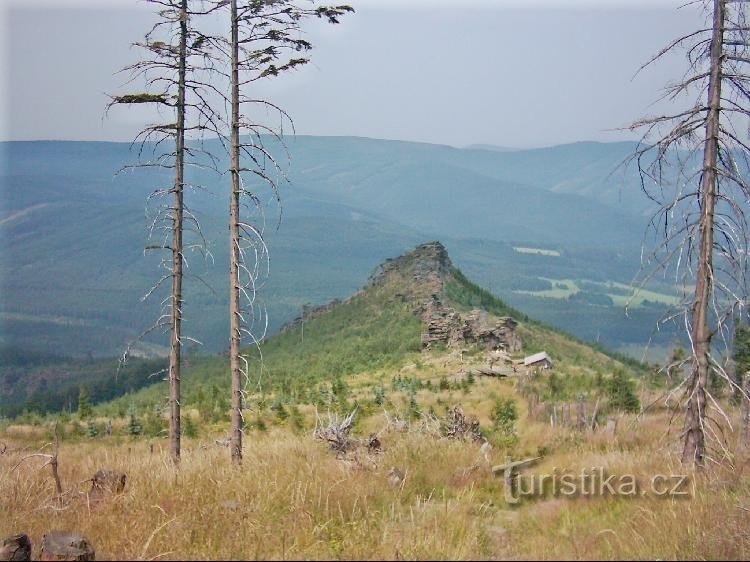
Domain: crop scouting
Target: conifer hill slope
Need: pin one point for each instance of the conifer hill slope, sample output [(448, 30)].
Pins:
[(369, 337), (413, 306)]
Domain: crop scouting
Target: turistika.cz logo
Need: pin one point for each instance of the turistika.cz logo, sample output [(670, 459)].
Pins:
[(592, 482)]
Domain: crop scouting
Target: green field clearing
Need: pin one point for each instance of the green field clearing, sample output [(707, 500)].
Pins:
[(564, 288), (641, 295), (539, 251)]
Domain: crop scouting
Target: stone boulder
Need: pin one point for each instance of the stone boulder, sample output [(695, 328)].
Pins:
[(62, 545), (106, 482), (17, 547)]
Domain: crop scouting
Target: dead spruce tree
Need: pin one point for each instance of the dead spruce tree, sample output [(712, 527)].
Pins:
[(265, 41), (693, 164), (171, 72)]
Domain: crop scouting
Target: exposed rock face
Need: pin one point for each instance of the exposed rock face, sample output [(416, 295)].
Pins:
[(445, 325), (422, 275), (429, 264), (499, 333), (429, 268)]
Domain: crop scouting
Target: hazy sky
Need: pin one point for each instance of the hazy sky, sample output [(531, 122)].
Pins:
[(505, 72)]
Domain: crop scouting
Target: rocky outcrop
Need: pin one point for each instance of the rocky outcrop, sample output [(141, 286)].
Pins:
[(492, 333), (310, 312), (427, 269), (419, 278), (429, 265), (445, 325), (442, 323)]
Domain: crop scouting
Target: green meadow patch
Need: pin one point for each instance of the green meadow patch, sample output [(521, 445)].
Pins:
[(538, 251)]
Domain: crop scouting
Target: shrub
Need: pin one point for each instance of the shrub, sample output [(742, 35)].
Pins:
[(84, 405), (504, 417), (296, 417), (414, 410), (92, 430), (621, 393), (379, 395), (259, 424), (189, 429), (134, 427), (555, 386), (278, 408)]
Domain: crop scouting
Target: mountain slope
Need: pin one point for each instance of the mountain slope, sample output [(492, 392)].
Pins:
[(366, 339), (467, 193)]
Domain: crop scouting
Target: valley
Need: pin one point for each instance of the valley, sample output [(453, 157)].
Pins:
[(342, 211)]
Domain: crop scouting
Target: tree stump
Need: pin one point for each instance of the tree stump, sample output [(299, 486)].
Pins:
[(373, 444), (61, 545), (17, 547), (395, 476), (595, 415), (107, 482)]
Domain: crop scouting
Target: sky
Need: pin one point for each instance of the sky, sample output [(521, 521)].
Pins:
[(512, 73)]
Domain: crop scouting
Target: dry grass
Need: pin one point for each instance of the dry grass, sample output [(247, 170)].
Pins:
[(293, 499)]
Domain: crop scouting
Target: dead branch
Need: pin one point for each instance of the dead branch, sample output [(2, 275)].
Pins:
[(458, 426), (336, 432)]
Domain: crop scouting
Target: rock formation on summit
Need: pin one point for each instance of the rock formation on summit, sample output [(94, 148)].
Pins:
[(419, 278), (431, 269)]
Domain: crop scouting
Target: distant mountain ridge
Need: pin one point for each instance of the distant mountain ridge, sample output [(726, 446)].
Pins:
[(72, 268), (491, 147)]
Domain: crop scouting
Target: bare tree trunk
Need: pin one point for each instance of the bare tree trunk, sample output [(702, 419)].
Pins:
[(595, 415), (54, 464), (580, 414), (234, 248), (744, 444), (695, 446), (175, 346)]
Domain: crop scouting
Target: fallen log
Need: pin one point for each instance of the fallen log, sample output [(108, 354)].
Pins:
[(337, 432), (492, 372), (510, 470), (514, 465)]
